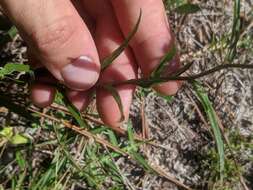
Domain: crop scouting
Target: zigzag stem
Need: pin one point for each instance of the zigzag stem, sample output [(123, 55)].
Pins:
[(151, 81), (148, 82)]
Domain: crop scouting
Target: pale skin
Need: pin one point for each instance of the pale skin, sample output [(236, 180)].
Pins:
[(70, 38)]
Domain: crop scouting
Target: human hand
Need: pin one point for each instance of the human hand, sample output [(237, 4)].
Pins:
[(71, 45)]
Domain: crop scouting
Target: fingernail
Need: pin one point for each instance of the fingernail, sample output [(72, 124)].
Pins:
[(81, 74)]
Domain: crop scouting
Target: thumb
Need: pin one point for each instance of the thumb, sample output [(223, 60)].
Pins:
[(59, 38)]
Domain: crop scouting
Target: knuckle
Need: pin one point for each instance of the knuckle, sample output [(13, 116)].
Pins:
[(54, 35)]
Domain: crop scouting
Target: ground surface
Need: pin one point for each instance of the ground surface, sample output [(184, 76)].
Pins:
[(179, 126)]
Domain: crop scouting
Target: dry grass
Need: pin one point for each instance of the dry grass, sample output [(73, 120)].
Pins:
[(182, 149)]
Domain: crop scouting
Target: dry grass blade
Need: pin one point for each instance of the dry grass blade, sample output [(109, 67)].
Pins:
[(72, 109), (109, 145), (118, 130), (81, 131), (164, 174)]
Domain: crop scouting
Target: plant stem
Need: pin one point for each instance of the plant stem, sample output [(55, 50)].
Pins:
[(151, 81)]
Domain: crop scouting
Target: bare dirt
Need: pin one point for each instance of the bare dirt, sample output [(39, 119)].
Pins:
[(177, 125)]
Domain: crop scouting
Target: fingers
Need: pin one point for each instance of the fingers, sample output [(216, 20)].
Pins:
[(108, 37), (153, 38), (61, 41), (41, 92), (79, 99), (42, 95), (59, 38)]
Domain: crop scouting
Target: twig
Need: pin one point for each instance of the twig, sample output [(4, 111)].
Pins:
[(81, 131), (109, 145), (118, 130), (164, 174), (145, 130), (151, 81)]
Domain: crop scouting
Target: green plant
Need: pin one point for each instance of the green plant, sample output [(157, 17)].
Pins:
[(94, 159)]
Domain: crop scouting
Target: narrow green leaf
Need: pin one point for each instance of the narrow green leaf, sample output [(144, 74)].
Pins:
[(130, 133), (117, 98), (134, 148), (112, 138), (210, 112), (75, 113), (109, 60), (57, 165), (71, 108), (165, 62), (98, 130), (187, 8), (19, 139), (139, 158), (61, 141), (21, 180), (20, 160), (236, 31)]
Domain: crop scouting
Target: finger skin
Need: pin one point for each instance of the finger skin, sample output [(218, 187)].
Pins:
[(42, 95), (79, 99), (153, 38), (108, 37), (122, 69), (58, 36)]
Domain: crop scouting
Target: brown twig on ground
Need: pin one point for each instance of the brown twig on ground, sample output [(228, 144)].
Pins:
[(90, 118), (103, 142), (145, 130), (168, 177), (118, 130), (80, 131)]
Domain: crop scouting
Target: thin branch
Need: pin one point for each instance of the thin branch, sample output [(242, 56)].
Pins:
[(118, 130), (109, 145), (151, 81), (81, 131)]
